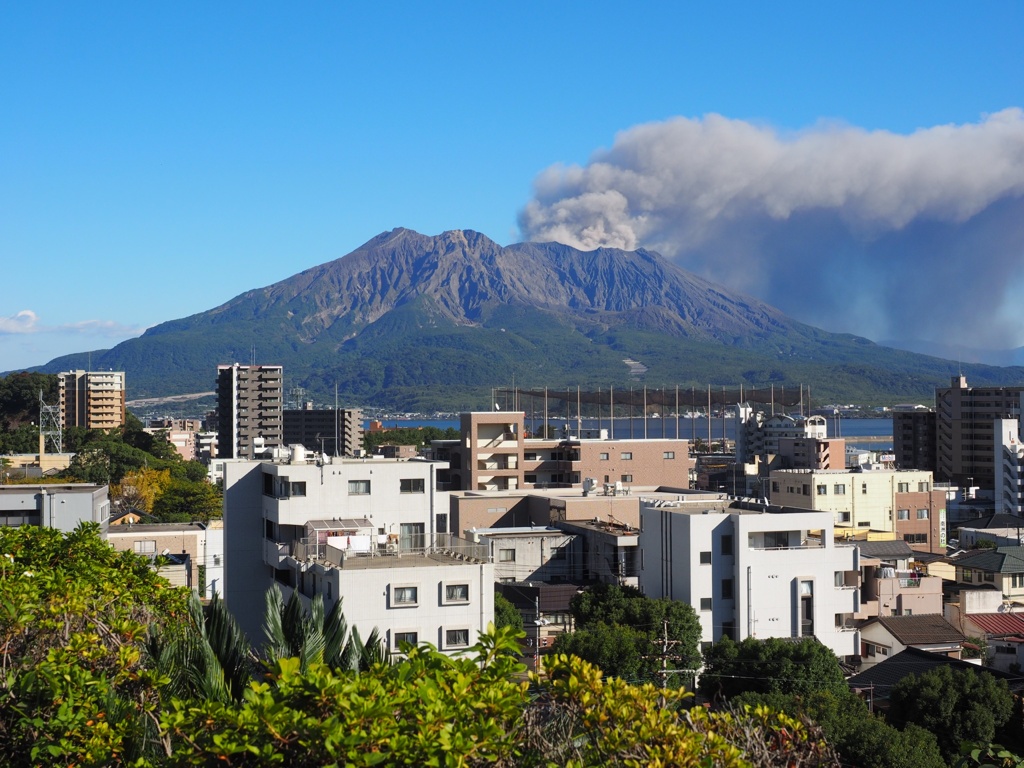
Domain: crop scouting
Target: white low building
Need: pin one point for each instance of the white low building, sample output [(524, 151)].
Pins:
[(752, 571), (373, 532)]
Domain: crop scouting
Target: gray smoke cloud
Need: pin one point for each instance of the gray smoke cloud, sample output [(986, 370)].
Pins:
[(890, 236)]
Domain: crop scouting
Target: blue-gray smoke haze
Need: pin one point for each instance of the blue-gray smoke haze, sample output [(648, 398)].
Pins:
[(889, 236)]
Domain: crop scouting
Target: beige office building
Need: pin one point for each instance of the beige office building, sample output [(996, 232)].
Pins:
[(92, 399), (493, 455)]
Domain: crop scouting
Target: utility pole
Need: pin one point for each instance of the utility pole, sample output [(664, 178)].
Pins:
[(665, 655)]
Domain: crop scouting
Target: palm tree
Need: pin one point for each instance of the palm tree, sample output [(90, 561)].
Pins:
[(316, 638), (209, 659)]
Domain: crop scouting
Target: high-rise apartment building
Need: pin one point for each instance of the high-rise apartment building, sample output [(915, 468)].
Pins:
[(250, 403), (965, 430), (914, 439), (92, 399), (333, 432)]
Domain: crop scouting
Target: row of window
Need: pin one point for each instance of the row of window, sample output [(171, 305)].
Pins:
[(284, 489), (410, 485), (904, 514), (628, 455), (453, 638), (408, 595), (726, 588)]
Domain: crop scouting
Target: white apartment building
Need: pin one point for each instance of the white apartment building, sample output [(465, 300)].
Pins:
[(758, 434), (1009, 466), (752, 571), (365, 531)]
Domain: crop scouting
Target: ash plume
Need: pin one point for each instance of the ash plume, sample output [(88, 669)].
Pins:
[(910, 237)]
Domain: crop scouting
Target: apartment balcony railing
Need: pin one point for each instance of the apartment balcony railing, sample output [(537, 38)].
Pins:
[(444, 545)]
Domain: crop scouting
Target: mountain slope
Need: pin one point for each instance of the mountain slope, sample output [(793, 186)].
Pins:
[(415, 321)]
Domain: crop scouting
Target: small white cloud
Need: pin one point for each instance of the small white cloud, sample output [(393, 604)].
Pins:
[(26, 321), (23, 322), (101, 328)]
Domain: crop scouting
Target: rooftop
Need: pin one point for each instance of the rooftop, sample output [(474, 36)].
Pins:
[(920, 629)]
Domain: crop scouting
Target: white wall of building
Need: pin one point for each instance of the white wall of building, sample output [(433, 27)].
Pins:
[(267, 506), (749, 574)]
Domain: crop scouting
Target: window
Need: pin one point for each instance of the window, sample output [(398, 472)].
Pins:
[(839, 489), (968, 575), (1017, 580), (456, 593), (268, 484), (922, 514), (775, 486), (864, 489), (727, 544), (529, 456), (442, 523), (296, 489), (705, 558), (844, 517), (558, 553), (902, 514), (626, 455), (915, 538), (358, 487), (145, 547), (922, 487), (807, 489), (506, 555), (990, 577), (903, 487), (604, 457), (406, 596), (705, 603), (668, 455), (823, 490), (727, 589), (840, 578), (627, 478), (405, 638), (456, 638), (411, 485), (776, 539), (729, 629)]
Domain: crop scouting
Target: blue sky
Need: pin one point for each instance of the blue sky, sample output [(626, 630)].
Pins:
[(157, 160)]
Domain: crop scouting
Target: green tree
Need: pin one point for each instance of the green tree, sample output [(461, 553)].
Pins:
[(506, 614), (431, 709), (76, 687), (184, 501), (858, 736), (956, 705), (316, 638), (772, 665), (621, 631)]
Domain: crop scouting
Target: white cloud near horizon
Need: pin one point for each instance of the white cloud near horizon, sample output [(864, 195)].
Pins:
[(27, 322), (916, 236)]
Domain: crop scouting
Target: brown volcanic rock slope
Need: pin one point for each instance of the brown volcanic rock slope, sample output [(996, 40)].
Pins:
[(463, 272), (418, 321)]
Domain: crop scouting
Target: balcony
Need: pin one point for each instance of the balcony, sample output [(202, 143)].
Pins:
[(501, 463)]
